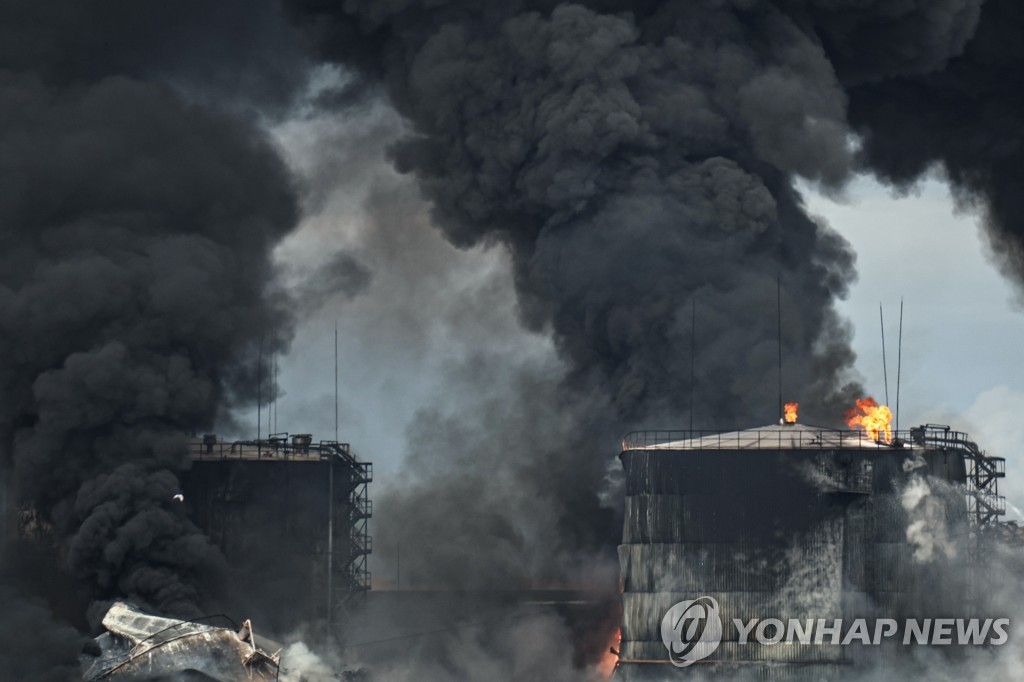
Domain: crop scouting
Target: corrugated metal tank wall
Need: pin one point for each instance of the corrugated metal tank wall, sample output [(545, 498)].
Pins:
[(270, 518), (799, 533), (882, 577)]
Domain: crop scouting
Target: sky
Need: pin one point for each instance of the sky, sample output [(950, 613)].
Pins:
[(963, 324)]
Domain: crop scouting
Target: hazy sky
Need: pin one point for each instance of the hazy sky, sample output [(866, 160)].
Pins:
[(963, 326), (428, 304)]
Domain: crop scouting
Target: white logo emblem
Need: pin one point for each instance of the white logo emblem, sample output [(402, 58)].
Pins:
[(691, 630)]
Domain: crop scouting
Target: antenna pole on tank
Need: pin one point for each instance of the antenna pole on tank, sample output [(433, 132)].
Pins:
[(277, 373), (693, 351), (336, 438), (330, 543), (330, 497), (273, 386), (271, 422), (899, 365), (885, 371), (778, 301), (259, 398)]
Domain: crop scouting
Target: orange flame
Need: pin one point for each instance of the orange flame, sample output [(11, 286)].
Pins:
[(874, 418), (610, 659), (790, 415)]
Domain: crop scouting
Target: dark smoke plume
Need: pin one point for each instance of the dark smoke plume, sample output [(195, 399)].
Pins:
[(232, 54), (966, 118), (35, 647), (135, 234), (631, 164)]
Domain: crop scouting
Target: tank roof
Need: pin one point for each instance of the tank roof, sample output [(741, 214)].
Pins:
[(770, 437)]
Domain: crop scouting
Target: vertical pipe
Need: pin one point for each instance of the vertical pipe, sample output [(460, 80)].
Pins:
[(330, 541), (885, 371), (273, 386), (336, 439), (259, 399), (693, 355), (899, 366), (778, 298), (398, 568), (330, 495), (5, 513)]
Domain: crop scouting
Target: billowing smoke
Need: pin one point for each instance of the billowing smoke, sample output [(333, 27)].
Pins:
[(637, 161), (632, 164), (960, 115), (634, 167), (135, 234)]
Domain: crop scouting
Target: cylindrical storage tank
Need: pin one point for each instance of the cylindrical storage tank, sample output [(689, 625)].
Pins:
[(785, 522)]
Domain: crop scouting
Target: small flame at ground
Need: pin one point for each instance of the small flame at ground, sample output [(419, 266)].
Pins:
[(870, 416), (790, 415), (611, 657)]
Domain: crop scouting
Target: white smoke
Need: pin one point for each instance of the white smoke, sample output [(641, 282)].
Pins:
[(928, 531), (300, 664), (913, 463)]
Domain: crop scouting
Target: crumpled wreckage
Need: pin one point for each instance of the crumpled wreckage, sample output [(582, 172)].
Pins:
[(138, 646)]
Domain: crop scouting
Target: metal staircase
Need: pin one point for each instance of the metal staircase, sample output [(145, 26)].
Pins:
[(985, 506), (351, 566)]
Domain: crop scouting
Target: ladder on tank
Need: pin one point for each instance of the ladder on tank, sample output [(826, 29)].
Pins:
[(351, 566)]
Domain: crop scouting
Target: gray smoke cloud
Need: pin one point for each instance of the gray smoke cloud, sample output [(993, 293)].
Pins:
[(491, 426), (433, 347)]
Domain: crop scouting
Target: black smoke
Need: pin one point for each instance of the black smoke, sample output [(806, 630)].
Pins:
[(230, 54), (136, 227), (632, 163), (36, 647), (964, 118), (636, 160)]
